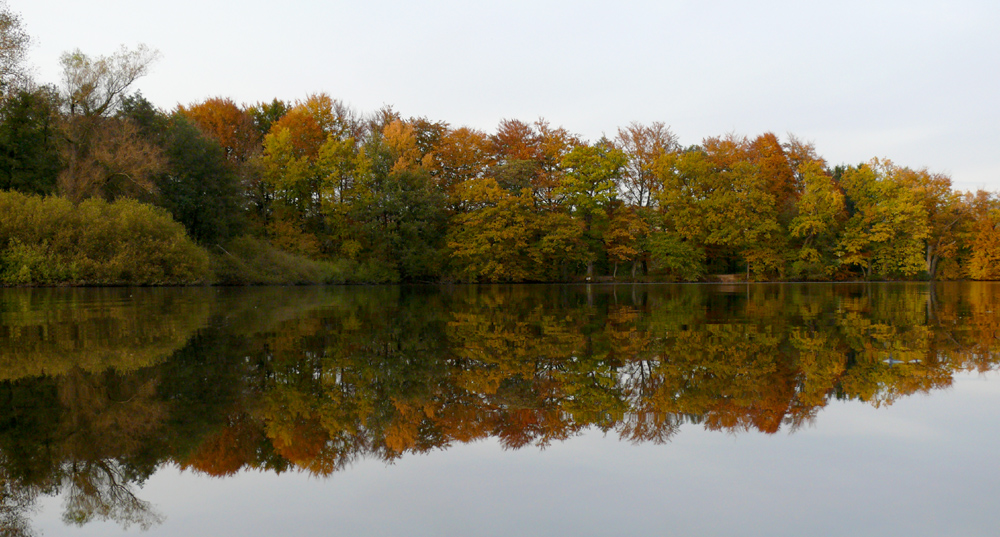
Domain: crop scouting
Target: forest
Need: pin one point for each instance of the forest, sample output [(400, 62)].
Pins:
[(99, 186)]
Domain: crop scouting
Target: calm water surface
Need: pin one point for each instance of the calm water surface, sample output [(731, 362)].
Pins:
[(813, 409)]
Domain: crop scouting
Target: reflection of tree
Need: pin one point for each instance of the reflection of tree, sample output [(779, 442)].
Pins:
[(316, 378), (891, 348), (107, 414), (413, 370), (17, 504), (50, 331), (85, 434), (102, 489)]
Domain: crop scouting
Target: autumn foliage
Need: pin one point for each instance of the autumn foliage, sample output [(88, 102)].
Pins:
[(389, 198)]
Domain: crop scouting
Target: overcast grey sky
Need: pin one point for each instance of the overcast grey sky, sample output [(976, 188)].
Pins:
[(912, 81)]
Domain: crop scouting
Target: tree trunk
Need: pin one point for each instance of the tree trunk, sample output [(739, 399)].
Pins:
[(931, 260)]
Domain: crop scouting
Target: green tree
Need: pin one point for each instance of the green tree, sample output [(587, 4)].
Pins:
[(588, 188), (676, 258), (30, 159), (395, 211), (198, 184), (200, 188)]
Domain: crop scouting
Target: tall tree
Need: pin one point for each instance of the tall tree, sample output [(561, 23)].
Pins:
[(96, 86), (516, 155), (200, 188), (778, 171), (715, 197), (307, 159), (819, 214), (462, 155), (266, 114), (395, 205), (625, 236), (490, 241), (946, 213), (643, 145), (104, 155), (589, 188)]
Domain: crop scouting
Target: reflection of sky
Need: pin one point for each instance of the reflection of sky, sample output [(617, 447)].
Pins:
[(923, 466)]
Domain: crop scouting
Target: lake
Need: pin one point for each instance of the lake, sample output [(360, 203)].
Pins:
[(762, 409)]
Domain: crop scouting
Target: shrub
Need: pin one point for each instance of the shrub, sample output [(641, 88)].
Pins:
[(49, 241)]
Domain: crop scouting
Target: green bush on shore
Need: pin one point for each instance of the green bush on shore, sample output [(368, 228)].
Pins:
[(48, 240)]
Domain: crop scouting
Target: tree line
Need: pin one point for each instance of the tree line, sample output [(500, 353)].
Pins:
[(387, 198)]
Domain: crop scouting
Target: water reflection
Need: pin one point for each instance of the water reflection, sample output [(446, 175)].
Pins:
[(102, 388)]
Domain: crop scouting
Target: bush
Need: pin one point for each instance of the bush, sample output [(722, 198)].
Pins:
[(51, 241)]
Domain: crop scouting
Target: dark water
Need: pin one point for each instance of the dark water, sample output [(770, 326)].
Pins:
[(820, 409)]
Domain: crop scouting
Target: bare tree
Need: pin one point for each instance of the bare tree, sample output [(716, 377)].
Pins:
[(643, 144), (104, 155), (96, 86), (14, 42)]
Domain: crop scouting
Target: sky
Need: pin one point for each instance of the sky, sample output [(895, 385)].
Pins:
[(912, 81)]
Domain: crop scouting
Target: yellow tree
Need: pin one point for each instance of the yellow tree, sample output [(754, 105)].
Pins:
[(715, 197), (307, 162), (778, 171), (588, 190), (819, 212), (887, 231), (400, 139), (491, 242), (946, 213)]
